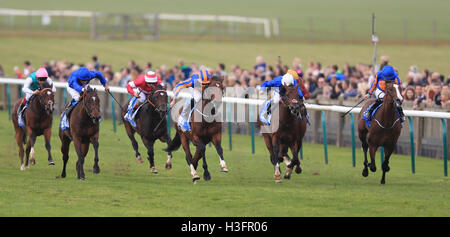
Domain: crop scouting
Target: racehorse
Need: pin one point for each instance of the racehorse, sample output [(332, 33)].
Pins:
[(151, 124), (38, 121), (289, 135), (204, 129), (84, 125), (384, 130)]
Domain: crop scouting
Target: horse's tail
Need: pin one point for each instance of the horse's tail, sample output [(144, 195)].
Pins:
[(174, 144)]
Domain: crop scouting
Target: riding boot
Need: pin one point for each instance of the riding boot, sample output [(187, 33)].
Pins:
[(20, 117), (401, 114), (374, 106)]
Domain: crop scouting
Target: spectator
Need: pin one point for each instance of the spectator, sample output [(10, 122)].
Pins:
[(260, 67), (336, 88), (384, 60), (148, 67), (27, 69), (18, 73), (96, 63), (184, 69), (319, 90), (420, 96), (221, 70), (445, 96), (125, 77), (351, 91), (335, 72), (435, 94), (410, 94)]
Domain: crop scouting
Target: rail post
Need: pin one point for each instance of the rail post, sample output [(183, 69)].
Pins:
[(252, 129), (113, 113), (65, 96), (324, 130), (229, 126), (8, 96), (352, 126), (444, 139), (413, 149)]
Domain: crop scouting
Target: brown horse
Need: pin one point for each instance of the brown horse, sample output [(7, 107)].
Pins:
[(205, 128), (84, 125), (38, 121), (151, 124), (384, 130), (289, 135)]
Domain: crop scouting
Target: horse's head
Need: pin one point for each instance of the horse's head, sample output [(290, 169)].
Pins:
[(291, 99), (392, 93), (216, 88), (47, 99), (158, 99), (91, 104)]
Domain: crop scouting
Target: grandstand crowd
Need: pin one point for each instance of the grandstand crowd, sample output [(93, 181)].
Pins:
[(420, 88)]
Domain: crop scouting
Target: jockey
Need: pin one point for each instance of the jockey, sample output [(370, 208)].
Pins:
[(140, 89), (34, 82), (379, 85), (77, 83), (196, 83), (278, 83)]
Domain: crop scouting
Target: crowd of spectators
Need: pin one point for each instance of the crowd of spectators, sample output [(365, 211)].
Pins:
[(420, 88)]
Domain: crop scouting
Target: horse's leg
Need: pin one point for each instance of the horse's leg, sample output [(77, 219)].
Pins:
[(151, 154), (284, 157), (373, 151), (20, 140), (95, 144), (295, 161), (385, 166), (274, 159), (202, 147), (29, 152), (134, 143), (79, 149), (167, 140), (65, 141), (298, 169), (189, 160), (47, 136), (365, 146), (217, 140)]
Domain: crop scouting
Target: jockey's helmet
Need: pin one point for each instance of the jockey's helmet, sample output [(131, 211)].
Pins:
[(287, 80), (150, 77)]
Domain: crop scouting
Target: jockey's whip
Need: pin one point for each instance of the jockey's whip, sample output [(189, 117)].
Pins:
[(116, 101), (352, 108)]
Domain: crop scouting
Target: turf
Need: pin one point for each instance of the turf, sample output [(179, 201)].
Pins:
[(14, 51), (125, 188), (305, 19)]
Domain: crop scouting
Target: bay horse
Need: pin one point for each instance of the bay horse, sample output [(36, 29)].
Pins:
[(151, 124), (84, 126), (289, 135), (38, 121), (204, 129), (384, 130)]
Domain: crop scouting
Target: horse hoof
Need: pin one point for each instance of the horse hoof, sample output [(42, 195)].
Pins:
[(365, 173), (82, 179), (22, 167), (287, 176), (139, 160), (195, 179), (383, 182), (168, 166), (372, 167), (224, 169), (153, 170), (206, 176), (298, 170), (278, 181), (51, 163), (96, 170), (33, 162)]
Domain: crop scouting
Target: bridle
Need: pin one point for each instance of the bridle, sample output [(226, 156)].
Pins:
[(86, 107), (388, 92), (48, 107)]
